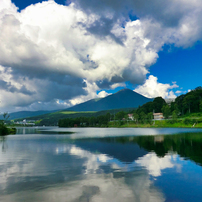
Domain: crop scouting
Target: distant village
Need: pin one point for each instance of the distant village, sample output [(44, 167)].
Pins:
[(25, 122)]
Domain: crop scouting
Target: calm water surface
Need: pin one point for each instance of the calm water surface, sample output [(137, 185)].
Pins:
[(99, 164)]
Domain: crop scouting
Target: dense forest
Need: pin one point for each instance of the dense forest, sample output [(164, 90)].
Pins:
[(182, 106)]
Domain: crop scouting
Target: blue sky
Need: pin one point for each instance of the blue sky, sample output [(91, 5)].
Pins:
[(180, 65), (55, 54)]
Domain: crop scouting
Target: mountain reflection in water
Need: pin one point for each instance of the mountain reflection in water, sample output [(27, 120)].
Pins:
[(38, 167)]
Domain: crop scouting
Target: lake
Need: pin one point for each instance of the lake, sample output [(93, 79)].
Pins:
[(101, 164)]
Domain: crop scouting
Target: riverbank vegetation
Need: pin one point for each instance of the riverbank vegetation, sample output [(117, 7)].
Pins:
[(104, 121), (4, 130)]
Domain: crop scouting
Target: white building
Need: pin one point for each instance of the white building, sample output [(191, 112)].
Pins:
[(158, 116), (130, 116)]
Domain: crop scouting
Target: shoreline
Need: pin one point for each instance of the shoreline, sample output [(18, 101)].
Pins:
[(135, 127)]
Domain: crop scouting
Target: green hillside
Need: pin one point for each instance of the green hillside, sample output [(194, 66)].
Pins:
[(23, 114), (52, 119)]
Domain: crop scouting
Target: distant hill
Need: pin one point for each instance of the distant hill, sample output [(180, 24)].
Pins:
[(25, 114), (124, 98)]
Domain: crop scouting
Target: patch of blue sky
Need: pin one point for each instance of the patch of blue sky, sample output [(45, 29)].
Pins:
[(132, 16), (60, 101), (23, 4), (179, 65)]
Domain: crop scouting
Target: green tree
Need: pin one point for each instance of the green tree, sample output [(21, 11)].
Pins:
[(6, 116), (166, 111), (158, 103), (3, 129), (143, 117), (120, 115), (188, 101), (200, 106), (150, 117), (174, 115), (136, 117), (179, 103)]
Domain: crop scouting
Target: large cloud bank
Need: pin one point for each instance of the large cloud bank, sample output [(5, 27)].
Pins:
[(53, 56)]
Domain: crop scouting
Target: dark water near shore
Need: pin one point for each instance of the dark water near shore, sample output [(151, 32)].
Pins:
[(100, 164)]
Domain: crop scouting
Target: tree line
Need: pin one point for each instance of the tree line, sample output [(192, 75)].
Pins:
[(183, 105)]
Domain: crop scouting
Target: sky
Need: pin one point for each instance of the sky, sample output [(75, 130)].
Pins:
[(55, 54)]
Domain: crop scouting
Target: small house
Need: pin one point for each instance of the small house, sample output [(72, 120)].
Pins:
[(158, 116), (130, 116)]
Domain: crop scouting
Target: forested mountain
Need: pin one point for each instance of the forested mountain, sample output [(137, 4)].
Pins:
[(25, 114), (125, 98)]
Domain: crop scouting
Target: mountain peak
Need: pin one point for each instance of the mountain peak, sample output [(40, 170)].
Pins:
[(124, 98), (125, 89)]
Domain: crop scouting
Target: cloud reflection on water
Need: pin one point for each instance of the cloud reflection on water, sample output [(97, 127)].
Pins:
[(155, 165), (56, 171)]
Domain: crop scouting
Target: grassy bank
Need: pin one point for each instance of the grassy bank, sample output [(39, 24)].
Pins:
[(186, 123)]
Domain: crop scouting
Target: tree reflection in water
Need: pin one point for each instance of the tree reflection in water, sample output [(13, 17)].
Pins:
[(186, 145), (3, 142)]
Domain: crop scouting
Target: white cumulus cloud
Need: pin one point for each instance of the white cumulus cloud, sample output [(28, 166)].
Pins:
[(152, 88)]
